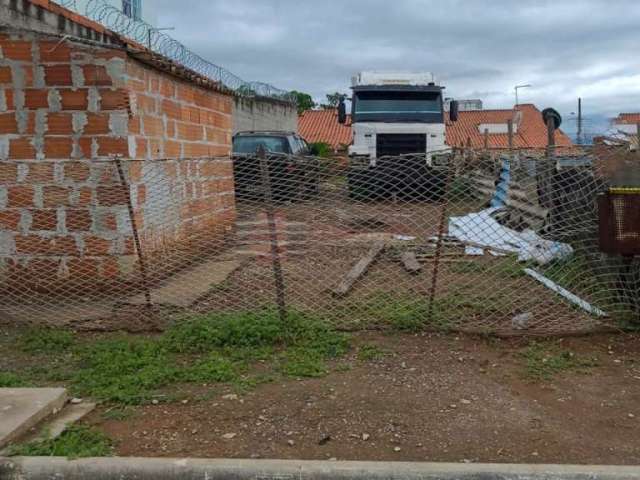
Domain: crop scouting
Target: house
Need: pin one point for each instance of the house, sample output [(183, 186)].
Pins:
[(322, 126), (529, 130)]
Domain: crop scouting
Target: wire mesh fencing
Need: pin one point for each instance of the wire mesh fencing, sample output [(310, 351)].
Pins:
[(500, 243)]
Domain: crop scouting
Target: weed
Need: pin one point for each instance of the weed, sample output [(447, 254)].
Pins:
[(124, 370), (301, 362), (543, 361), (213, 368), (75, 442), (369, 352), (11, 380), (206, 333), (46, 340)]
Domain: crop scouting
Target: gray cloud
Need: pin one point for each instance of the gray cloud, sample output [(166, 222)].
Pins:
[(565, 49)]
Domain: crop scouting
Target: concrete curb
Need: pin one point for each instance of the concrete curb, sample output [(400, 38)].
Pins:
[(41, 468)]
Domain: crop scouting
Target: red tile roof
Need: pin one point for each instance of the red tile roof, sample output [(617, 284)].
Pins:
[(531, 131), (629, 118), (323, 126)]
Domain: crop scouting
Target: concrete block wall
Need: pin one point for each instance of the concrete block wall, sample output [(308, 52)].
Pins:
[(66, 109), (264, 114)]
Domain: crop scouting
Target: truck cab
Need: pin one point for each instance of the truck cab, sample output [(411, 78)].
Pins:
[(393, 115)]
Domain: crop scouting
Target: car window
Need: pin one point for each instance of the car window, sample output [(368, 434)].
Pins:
[(295, 146), (250, 143)]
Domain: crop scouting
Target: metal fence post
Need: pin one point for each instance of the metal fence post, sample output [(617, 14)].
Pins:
[(638, 138), (278, 278), (439, 241), (136, 236)]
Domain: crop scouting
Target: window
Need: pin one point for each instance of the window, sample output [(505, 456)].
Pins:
[(132, 9), (249, 144), (397, 102)]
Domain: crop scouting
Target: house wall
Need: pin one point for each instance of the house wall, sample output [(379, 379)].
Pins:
[(66, 109), (264, 114)]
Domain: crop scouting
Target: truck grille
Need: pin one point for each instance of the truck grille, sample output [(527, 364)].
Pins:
[(400, 143)]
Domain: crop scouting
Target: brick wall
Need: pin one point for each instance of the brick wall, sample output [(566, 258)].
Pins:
[(65, 110)]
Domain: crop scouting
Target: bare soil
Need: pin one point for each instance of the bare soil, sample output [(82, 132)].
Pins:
[(431, 397)]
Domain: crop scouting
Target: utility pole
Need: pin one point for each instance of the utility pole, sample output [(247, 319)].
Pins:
[(579, 136)]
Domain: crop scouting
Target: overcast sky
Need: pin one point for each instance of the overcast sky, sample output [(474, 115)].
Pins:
[(477, 49)]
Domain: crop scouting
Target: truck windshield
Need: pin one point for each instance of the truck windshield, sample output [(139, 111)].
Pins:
[(250, 143), (389, 106), (397, 102)]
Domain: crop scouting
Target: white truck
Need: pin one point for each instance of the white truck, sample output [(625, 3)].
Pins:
[(398, 125)]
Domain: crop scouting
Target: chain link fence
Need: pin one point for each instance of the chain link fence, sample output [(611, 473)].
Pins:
[(496, 242)]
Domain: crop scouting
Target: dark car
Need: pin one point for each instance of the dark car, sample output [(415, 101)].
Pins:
[(293, 173)]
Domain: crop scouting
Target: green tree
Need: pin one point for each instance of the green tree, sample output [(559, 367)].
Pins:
[(304, 101), (333, 99)]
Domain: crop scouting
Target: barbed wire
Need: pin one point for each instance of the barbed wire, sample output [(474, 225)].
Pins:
[(140, 31)]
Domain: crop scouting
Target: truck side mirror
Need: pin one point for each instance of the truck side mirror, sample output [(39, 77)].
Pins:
[(453, 111), (342, 111)]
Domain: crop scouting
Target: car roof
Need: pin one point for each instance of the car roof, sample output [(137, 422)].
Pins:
[(266, 132)]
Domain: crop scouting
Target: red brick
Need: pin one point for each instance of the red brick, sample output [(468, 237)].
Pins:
[(189, 132), (27, 74), (78, 220), (17, 50), (5, 75), (96, 75), (74, 99), (141, 147), (36, 98), (114, 99), (76, 171), (107, 220), (21, 148), (58, 75), (171, 109), (172, 149), (58, 147), (8, 173), (142, 194), (9, 99), (97, 124), (109, 268), (54, 196), (97, 246), (55, 51), (84, 145), (167, 88), (186, 93), (37, 245), (134, 126), (39, 172), (153, 126), (85, 196), (108, 146), (38, 273), (60, 123), (215, 168), (83, 269), (9, 219), (171, 129), (111, 195), (44, 220), (146, 104)]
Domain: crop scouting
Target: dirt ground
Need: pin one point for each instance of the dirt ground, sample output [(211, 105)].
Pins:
[(430, 397)]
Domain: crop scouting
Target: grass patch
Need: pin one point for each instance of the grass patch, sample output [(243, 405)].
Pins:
[(369, 352), (545, 360), (77, 441), (411, 314), (46, 340), (207, 349), (11, 380), (302, 362)]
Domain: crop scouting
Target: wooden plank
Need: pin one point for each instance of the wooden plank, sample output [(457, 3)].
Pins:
[(359, 269), (410, 262)]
